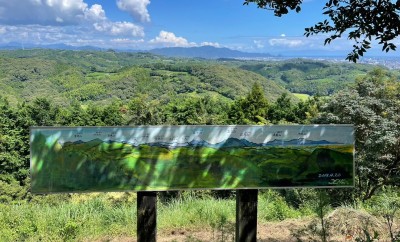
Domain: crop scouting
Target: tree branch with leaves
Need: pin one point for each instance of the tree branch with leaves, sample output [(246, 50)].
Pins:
[(362, 21)]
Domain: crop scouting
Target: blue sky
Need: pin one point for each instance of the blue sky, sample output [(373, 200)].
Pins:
[(147, 24)]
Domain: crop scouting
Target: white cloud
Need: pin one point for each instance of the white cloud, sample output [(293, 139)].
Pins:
[(70, 35), (170, 40), (137, 8), (259, 44), (37, 34), (284, 42), (126, 41), (95, 13), (66, 13), (283, 35), (75, 22), (119, 28), (44, 12), (51, 13), (214, 44)]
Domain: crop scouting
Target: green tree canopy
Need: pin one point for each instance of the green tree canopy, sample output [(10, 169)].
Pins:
[(14, 152), (373, 107), (361, 20), (282, 109), (252, 109)]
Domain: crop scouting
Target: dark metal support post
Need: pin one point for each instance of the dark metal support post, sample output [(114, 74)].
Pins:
[(246, 215), (146, 216)]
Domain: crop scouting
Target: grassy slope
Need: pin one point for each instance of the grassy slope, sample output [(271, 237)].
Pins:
[(301, 96)]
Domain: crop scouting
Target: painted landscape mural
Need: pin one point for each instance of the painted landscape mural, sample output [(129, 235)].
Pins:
[(159, 158)]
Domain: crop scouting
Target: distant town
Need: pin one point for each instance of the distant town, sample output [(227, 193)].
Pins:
[(391, 62)]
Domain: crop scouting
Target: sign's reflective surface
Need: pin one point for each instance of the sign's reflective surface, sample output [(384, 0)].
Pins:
[(140, 158)]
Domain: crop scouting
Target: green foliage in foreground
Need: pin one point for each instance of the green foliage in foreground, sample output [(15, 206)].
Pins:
[(65, 220), (141, 110), (58, 217), (387, 205), (373, 106), (109, 216)]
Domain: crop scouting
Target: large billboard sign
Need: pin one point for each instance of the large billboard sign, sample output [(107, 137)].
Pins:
[(160, 158)]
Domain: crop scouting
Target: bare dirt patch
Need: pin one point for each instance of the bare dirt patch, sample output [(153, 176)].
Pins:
[(344, 224)]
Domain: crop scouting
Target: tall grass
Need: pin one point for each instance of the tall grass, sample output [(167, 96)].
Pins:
[(66, 220), (90, 217), (192, 212), (273, 207)]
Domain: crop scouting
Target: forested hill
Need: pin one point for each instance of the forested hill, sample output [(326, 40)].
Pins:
[(105, 76), (311, 77), (64, 76)]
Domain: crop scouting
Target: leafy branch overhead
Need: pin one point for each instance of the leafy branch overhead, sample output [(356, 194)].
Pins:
[(361, 20)]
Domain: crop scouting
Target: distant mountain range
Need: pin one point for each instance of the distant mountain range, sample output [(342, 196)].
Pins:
[(228, 143), (235, 142), (206, 52)]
